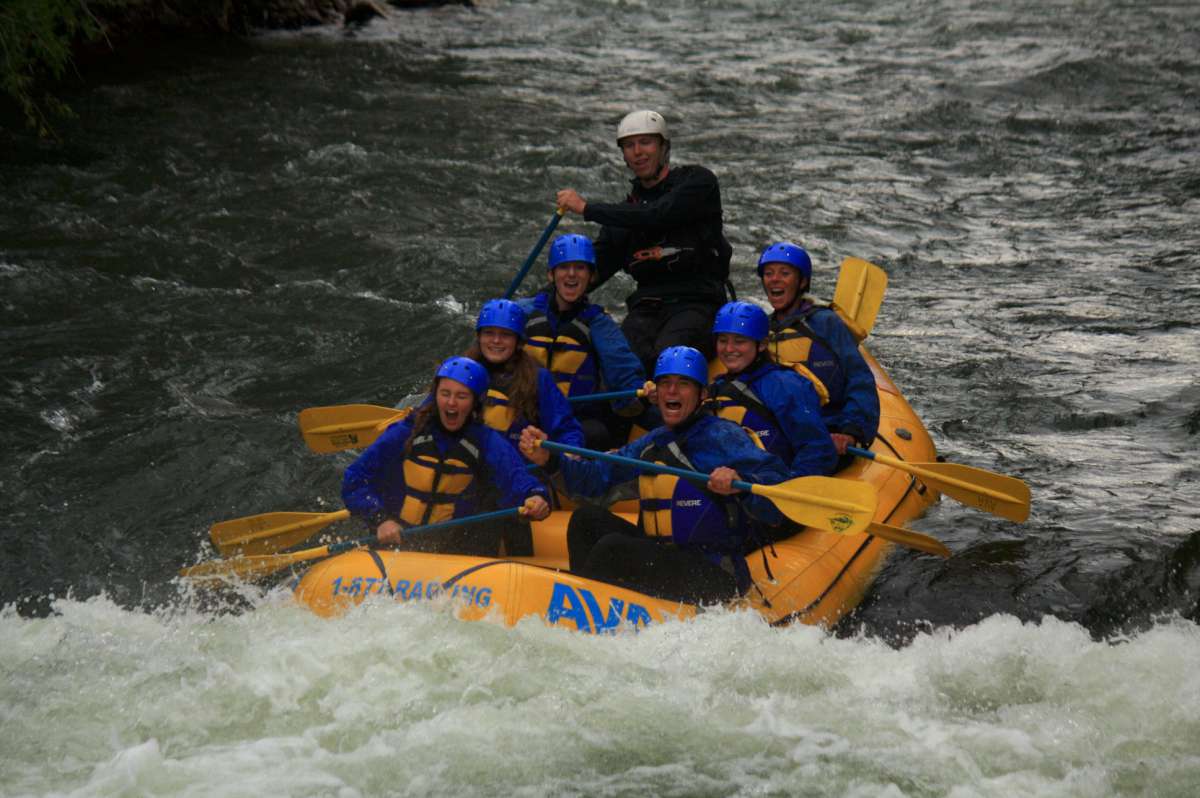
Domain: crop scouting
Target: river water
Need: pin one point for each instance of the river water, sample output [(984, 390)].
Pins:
[(228, 234)]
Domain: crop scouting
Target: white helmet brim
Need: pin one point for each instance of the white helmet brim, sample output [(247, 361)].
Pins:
[(641, 123)]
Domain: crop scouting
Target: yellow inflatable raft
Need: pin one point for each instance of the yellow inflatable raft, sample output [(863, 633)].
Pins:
[(816, 577)]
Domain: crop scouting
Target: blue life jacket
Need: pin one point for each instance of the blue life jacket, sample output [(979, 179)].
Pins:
[(566, 349), (437, 480), (737, 402), (793, 341), (442, 475)]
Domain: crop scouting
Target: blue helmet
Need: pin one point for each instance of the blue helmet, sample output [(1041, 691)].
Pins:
[(786, 252), (502, 313), (468, 372), (684, 362), (742, 318), (571, 248)]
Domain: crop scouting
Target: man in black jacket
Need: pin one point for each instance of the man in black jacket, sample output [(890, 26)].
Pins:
[(668, 235)]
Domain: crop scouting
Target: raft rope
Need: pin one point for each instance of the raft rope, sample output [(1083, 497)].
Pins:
[(770, 576), (454, 579), (382, 570)]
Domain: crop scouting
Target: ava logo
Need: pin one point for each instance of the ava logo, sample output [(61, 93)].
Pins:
[(580, 605), (345, 439), (841, 523)]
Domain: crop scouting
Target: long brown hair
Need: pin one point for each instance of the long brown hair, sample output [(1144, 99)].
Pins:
[(517, 378), (427, 415)]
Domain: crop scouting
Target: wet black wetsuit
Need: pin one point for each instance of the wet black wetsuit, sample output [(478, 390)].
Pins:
[(679, 289)]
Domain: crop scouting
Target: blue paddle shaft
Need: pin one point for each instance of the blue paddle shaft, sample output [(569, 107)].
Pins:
[(537, 249), (347, 545), (861, 452), (597, 397), (641, 465)]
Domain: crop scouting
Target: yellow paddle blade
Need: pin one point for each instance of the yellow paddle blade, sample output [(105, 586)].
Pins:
[(268, 533), (248, 567), (906, 537), (338, 427), (1003, 496), (1000, 495), (859, 294), (264, 565), (835, 505)]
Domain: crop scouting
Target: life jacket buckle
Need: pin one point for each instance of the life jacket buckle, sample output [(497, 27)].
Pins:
[(655, 253)]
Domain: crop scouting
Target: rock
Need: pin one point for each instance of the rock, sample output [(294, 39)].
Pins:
[(409, 4), (361, 12)]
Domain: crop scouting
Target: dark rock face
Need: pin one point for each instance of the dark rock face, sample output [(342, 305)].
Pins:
[(1141, 594), (428, 3), (362, 12), (208, 17), (290, 14)]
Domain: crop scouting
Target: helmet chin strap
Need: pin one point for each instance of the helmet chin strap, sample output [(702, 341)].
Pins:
[(665, 164), (798, 299)]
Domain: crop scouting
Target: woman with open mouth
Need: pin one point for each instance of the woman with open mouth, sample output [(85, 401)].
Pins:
[(813, 340), (440, 463), (772, 401), (689, 542), (581, 346)]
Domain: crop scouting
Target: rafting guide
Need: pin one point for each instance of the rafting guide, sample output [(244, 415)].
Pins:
[(668, 235)]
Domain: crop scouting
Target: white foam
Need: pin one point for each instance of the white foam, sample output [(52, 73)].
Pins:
[(395, 696)]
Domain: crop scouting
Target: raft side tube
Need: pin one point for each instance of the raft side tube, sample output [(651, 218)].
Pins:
[(478, 587)]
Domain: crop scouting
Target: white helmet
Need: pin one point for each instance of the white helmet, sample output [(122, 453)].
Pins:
[(642, 122)]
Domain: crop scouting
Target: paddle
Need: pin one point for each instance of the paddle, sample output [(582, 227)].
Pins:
[(858, 295), (337, 427), (835, 505), (537, 248), (267, 564), (1007, 497), (269, 532), (906, 537), (596, 397)]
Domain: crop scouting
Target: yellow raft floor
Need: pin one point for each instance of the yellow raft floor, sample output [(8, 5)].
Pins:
[(816, 577)]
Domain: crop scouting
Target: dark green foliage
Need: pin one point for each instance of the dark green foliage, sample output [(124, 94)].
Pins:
[(36, 40), (41, 40)]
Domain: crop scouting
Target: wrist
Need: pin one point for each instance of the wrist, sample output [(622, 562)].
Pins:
[(378, 517), (853, 430), (631, 410)]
